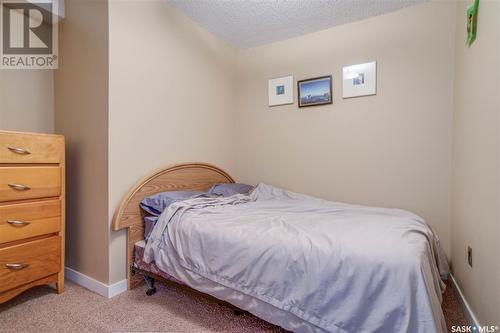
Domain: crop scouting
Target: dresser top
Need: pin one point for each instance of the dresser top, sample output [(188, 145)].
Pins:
[(33, 133)]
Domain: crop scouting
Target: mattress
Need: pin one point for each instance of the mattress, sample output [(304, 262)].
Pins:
[(251, 304), (151, 267)]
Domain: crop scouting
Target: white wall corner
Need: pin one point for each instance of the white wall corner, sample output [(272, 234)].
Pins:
[(98, 287), (469, 314)]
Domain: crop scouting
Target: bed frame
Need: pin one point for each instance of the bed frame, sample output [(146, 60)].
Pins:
[(187, 176)]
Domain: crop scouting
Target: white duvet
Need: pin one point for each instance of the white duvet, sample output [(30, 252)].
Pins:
[(340, 267)]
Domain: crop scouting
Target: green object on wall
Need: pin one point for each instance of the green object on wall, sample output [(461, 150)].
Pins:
[(472, 11)]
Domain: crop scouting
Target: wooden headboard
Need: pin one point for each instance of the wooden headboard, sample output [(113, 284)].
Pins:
[(187, 176)]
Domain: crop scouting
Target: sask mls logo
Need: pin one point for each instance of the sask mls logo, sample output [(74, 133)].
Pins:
[(29, 34)]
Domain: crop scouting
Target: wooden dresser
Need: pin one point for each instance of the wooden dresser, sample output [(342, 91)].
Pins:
[(31, 212)]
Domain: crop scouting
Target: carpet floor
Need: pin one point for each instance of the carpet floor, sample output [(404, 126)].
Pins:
[(171, 309)]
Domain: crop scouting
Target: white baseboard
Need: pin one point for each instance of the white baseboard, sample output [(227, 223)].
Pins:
[(117, 288), (469, 314), (98, 287)]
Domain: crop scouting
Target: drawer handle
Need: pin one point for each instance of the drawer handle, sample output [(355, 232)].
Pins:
[(16, 266), (20, 151), (17, 222), (19, 187)]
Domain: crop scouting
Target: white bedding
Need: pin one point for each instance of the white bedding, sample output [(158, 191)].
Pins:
[(338, 267)]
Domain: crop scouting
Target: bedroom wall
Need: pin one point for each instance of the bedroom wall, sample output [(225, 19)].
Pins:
[(476, 162), (392, 149), (27, 100), (171, 100), (81, 114)]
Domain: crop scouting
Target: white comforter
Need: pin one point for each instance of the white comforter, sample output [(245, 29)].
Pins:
[(340, 267)]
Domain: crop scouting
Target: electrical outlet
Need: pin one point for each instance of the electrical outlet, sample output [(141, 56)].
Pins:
[(469, 255)]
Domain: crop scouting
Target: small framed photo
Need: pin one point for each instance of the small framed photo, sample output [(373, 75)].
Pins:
[(315, 91), (280, 91), (472, 22), (359, 80)]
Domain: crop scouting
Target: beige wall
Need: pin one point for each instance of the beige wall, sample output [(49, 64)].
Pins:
[(171, 97), (27, 100), (81, 104), (390, 150), (476, 161)]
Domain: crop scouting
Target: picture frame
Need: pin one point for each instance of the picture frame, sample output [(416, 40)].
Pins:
[(359, 80), (472, 12), (315, 91), (280, 91)]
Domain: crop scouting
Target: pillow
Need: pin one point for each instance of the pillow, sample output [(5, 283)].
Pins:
[(228, 189), (157, 203), (149, 224)]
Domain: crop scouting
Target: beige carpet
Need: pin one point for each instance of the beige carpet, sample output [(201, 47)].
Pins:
[(171, 309)]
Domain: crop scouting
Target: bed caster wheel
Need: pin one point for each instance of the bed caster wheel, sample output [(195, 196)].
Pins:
[(150, 282), (237, 312)]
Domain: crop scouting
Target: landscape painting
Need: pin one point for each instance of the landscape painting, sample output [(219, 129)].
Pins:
[(315, 91)]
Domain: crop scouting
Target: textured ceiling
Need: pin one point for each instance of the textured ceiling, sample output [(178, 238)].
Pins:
[(249, 23)]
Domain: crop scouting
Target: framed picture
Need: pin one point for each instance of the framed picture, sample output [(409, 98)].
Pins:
[(472, 22), (315, 91), (280, 91), (359, 80)]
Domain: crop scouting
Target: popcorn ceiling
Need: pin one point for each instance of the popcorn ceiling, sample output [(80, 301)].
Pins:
[(249, 23)]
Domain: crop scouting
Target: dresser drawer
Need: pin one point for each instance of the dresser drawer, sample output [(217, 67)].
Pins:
[(30, 182), (24, 263), (30, 148), (24, 220)]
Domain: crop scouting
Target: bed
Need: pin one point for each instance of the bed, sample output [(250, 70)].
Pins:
[(305, 264)]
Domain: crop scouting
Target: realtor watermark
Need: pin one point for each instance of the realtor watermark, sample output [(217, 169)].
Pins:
[(28, 34), (475, 329)]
